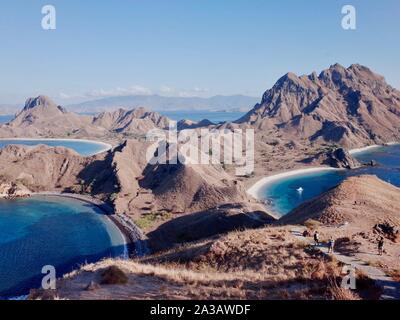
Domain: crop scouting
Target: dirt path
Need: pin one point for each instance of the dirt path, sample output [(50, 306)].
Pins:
[(391, 288)]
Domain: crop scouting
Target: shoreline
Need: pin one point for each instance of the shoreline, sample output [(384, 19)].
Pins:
[(364, 149), (255, 190), (371, 147), (132, 235), (106, 146)]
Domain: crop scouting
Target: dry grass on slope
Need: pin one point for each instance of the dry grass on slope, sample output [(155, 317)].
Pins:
[(262, 264)]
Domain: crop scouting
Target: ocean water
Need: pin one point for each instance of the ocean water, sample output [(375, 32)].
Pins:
[(53, 231), (84, 148), (215, 117), (283, 196), (5, 119)]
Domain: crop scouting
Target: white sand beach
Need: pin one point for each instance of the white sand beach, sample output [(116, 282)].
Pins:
[(255, 190), (364, 149), (106, 146)]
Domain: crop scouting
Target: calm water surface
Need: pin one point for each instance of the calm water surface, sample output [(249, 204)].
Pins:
[(51, 231), (284, 196), (84, 148)]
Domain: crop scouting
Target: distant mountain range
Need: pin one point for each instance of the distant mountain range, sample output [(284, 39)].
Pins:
[(161, 103)]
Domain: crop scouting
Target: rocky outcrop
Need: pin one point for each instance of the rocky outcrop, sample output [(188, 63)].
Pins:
[(341, 158), (336, 158), (349, 106), (188, 124), (14, 190), (137, 121)]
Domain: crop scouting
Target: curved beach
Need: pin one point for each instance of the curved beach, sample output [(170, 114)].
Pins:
[(255, 190), (105, 146), (374, 146)]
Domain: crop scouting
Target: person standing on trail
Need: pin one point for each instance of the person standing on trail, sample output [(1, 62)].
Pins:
[(381, 243), (316, 238), (331, 245)]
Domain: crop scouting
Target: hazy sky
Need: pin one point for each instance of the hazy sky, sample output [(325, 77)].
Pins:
[(186, 47)]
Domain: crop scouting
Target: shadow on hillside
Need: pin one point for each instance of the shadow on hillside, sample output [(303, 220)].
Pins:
[(99, 176), (205, 224)]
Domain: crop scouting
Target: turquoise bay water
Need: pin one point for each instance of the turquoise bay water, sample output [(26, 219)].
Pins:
[(84, 148), (283, 196), (51, 231)]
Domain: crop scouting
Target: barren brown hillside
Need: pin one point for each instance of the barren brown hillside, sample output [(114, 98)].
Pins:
[(350, 106), (41, 117), (364, 200), (267, 264)]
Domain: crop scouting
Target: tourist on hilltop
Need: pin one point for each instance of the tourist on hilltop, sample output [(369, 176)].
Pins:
[(381, 243), (316, 238), (331, 245)]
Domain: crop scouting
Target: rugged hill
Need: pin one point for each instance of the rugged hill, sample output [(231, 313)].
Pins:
[(41, 117), (199, 199), (40, 168), (363, 201), (43, 168), (349, 106), (267, 264), (137, 121), (188, 124)]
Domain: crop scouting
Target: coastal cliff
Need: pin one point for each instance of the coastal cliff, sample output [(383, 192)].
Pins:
[(13, 191)]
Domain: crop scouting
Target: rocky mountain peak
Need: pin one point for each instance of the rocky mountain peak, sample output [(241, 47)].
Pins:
[(351, 106), (44, 101)]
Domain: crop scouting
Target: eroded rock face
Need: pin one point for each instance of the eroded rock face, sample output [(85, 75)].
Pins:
[(336, 158), (13, 190), (341, 158), (349, 106)]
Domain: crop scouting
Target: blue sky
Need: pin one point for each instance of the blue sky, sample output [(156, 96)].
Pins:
[(186, 47)]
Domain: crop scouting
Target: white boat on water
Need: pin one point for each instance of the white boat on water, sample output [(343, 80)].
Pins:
[(300, 190)]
